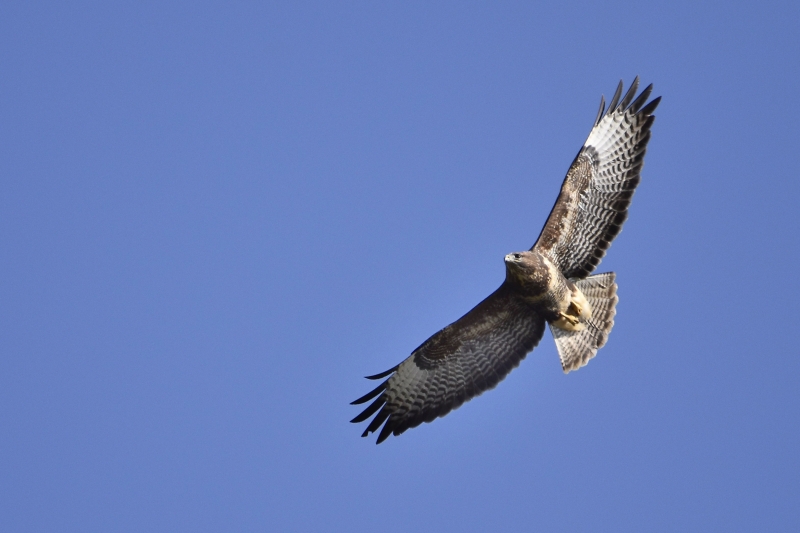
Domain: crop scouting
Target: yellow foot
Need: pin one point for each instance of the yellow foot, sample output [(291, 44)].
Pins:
[(569, 318), (568, 322), (576, 307)]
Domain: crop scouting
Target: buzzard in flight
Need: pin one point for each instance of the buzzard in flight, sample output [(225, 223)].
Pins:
[(550, 283)]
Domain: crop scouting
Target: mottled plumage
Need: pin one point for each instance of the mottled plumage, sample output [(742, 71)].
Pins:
[(549, 284)]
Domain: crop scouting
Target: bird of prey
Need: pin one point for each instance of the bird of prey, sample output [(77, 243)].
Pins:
[(548, 284)]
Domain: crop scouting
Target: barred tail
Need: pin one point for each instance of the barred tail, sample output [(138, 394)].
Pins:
[(576, 347)]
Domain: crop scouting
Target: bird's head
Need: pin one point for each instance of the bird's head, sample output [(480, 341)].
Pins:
[(522, 262), (526, 268)]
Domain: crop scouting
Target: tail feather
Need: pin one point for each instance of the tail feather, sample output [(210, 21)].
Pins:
[(576, 348)]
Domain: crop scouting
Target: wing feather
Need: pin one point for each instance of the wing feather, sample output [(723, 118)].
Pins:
[(370, 395), (463, 360), (594, 199)]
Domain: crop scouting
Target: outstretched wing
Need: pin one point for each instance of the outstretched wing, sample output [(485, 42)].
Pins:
[(461, 361), (597, 191)]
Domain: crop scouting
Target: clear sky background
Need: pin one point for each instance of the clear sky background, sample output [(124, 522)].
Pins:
[(215, 219)]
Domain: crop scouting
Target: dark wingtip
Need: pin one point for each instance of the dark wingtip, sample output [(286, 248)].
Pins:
[(369, 411), (628, 98), (642, 98), (385, 432), (371, 394), (600, 111), (383, 374), (612, 106), (649, 108), (379, 419)]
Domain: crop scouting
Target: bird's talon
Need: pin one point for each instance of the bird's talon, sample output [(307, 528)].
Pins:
[(569, 318)]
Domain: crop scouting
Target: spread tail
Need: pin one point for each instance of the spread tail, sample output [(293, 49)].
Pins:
[(576, 347)]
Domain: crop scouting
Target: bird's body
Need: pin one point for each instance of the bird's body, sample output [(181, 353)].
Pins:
[(548, 284), (542, 286)]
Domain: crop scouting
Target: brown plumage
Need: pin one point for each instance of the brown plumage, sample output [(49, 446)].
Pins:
[(549, 284)]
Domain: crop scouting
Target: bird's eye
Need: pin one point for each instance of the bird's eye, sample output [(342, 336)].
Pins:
[(516, 256)]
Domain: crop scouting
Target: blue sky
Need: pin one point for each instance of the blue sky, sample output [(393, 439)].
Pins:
[(215, 219)]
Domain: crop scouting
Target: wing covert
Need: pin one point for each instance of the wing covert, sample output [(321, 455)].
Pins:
[(461, 361), (594, 198)]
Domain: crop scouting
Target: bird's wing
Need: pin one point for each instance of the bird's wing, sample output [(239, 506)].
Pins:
[(461, 361), (597, 191)]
